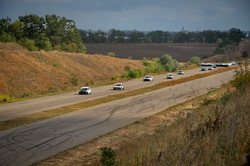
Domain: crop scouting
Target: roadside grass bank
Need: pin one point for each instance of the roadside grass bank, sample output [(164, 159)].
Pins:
[(4, 98), (132, 143), (28, 119)]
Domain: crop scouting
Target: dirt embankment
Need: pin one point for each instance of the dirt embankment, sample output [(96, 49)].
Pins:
[(25, 73)]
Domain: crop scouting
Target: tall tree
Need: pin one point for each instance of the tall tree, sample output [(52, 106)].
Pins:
[(33, 25), (235, 35)]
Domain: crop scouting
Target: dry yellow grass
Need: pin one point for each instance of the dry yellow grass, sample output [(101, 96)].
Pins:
[(24, 73)]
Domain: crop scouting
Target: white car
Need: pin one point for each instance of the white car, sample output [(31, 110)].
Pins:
[(180, 72), (210, 68), (85, 90), (148, 78), (170, 76), (118, 86)]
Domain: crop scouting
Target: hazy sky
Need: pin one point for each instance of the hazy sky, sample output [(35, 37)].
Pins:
[(142, 15)]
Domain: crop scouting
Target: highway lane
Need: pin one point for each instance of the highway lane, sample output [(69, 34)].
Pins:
[(21, 108), (30, 143)]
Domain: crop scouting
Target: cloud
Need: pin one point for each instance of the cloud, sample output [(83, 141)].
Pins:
[(137, 14)]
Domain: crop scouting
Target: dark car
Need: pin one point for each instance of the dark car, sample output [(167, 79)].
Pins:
[(203, 69)]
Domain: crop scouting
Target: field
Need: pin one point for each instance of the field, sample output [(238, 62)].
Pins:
[(180, 51)]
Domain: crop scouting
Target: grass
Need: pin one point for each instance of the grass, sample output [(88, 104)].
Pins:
[(28, 119), (214, 134)]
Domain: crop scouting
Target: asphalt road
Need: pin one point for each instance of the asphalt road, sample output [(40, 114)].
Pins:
[(30, 143), (21, 108)]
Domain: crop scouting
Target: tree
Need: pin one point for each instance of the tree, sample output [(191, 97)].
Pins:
[(33, 25), (169, 63), (235, 35), (42, 42), (136, 37)]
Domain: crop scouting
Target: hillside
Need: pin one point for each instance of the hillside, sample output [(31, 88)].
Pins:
[(231, 53), (24, 73)]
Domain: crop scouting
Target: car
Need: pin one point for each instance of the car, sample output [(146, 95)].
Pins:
[(210, 68), (170, 76), (118, 86), (214, 66), (85, 90), (148, 78), (203, 69), (180, 72)]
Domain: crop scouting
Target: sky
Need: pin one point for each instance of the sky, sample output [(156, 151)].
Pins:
[(141, 15)]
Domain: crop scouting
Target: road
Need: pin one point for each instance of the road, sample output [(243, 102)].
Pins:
[(21, 108), (30, 143)]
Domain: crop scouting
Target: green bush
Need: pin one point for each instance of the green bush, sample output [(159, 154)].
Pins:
[(29, 44), (241, 78), (196, 60), (135, 73), (112, 54), (108, 157), (219, 50), (169, 63)]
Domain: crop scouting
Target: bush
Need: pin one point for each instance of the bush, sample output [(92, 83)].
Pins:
[(74, 80), (29, 44), (169, 63), (196, 60), (135, 73), (108, 156), (111, 54), (219, 50), (245, 54), (241, 78)]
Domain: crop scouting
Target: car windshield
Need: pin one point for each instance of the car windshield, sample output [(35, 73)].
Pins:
[(118, 84), (84, 89), (148, 76)]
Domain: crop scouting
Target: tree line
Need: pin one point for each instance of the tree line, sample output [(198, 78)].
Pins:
[(48, 33), (118, 36), (59, 33)]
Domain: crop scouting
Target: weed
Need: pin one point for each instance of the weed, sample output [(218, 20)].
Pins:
[(74, 80)]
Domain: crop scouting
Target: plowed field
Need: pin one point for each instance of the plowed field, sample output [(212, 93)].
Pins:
[(180, 51)]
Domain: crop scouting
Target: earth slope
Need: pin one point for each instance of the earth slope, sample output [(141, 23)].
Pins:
[(25, 73)]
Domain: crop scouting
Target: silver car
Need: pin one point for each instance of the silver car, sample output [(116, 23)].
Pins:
[(170, 76), (148, 78), (118, 86), (180, 72)]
